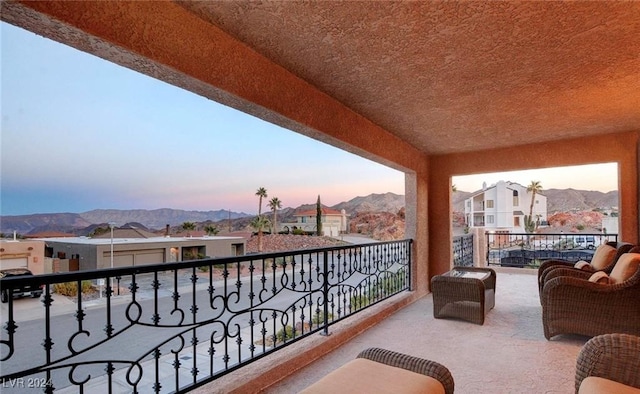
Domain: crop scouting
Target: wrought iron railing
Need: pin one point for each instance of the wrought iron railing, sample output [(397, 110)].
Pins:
[(177, 326), (463, 250), (530, 250)]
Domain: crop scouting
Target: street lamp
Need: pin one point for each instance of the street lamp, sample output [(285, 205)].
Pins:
[(111, 226)]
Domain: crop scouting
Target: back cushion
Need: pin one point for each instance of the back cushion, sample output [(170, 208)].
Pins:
[(626, 266), (603, 256)]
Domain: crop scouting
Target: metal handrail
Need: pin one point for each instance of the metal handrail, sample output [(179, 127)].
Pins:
[(177, 326)]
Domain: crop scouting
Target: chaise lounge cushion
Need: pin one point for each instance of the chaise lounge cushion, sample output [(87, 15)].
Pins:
[(597, 385), (366, 376)]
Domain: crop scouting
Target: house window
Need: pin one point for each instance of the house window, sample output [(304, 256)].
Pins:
[(516, 200), (489, 203), (490, 219), (516, 222)]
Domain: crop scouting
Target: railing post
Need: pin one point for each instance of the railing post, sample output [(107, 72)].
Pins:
[(325, 292), (410, 250)]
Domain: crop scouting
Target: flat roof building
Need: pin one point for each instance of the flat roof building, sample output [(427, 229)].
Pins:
[(95, 253)]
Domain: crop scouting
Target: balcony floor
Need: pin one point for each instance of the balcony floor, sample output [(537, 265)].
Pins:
[(508, 354)]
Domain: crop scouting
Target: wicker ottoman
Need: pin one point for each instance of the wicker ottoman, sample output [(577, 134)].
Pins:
[(466, 293), (383, 371)]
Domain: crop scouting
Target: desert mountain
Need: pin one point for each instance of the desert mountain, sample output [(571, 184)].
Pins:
[(359, 209)]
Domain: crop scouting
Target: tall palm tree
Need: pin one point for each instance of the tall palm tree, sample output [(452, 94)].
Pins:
[(534, 188), (262, 193), (275, 204)]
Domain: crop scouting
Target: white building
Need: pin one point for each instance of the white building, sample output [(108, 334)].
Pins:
[(503, 206)]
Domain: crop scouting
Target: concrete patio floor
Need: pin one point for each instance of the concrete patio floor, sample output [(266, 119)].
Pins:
[(508, 354)]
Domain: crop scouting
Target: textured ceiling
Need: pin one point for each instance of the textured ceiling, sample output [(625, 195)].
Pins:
[(457, 76)]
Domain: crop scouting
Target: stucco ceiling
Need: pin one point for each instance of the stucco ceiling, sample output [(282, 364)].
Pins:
[(444, 76), (457, 76)]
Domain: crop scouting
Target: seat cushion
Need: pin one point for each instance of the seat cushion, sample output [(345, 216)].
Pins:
[(626, 266), (603, 256), (365, 376), (597, 385)]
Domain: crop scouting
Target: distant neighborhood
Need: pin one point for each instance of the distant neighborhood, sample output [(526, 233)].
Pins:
[(68, 242)]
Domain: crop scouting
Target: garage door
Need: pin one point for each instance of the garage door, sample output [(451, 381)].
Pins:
[(131, 258), (153, 256), (20, 262), (122, 260)]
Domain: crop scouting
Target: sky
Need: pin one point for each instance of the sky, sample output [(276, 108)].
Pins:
[(79, 133)]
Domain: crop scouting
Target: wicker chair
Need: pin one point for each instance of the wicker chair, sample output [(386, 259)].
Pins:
[(344, 378), (573, 305), (615, 357), (550, 265)]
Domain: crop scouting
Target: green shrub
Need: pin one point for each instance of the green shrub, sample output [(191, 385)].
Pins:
[(71, 288), (284, 333), (318, 318)]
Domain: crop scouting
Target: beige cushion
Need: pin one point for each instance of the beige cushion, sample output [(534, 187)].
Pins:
[(599, 277), (603, 256), (365, 376), (597, 385), (626, 266)]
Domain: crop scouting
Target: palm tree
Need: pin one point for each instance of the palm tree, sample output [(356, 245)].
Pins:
[(188, 226), (262, 193), (275, 204), (211, 229), (259, 222), (534, 188)]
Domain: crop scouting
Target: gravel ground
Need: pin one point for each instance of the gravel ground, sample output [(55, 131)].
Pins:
[(281, 242)]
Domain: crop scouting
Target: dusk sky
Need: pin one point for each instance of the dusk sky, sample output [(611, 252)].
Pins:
[(79, 133)]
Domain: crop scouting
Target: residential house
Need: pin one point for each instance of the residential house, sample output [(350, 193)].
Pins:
[(23, 254), (334, 222), (503, 207)]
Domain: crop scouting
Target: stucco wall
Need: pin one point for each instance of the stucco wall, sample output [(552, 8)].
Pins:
[(32, 251), (621, 148)]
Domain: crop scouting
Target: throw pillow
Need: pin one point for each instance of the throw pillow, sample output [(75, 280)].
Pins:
[(603, 256)]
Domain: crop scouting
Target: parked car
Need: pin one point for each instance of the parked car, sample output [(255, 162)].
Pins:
[(588, 242), (34, 291)]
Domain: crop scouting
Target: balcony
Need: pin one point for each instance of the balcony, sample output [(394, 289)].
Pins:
[(162, 313)]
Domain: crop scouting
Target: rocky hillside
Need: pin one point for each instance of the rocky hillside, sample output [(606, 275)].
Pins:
[(387, 202), (565, 200)]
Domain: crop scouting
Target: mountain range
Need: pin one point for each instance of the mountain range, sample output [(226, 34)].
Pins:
[(558, 200)]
